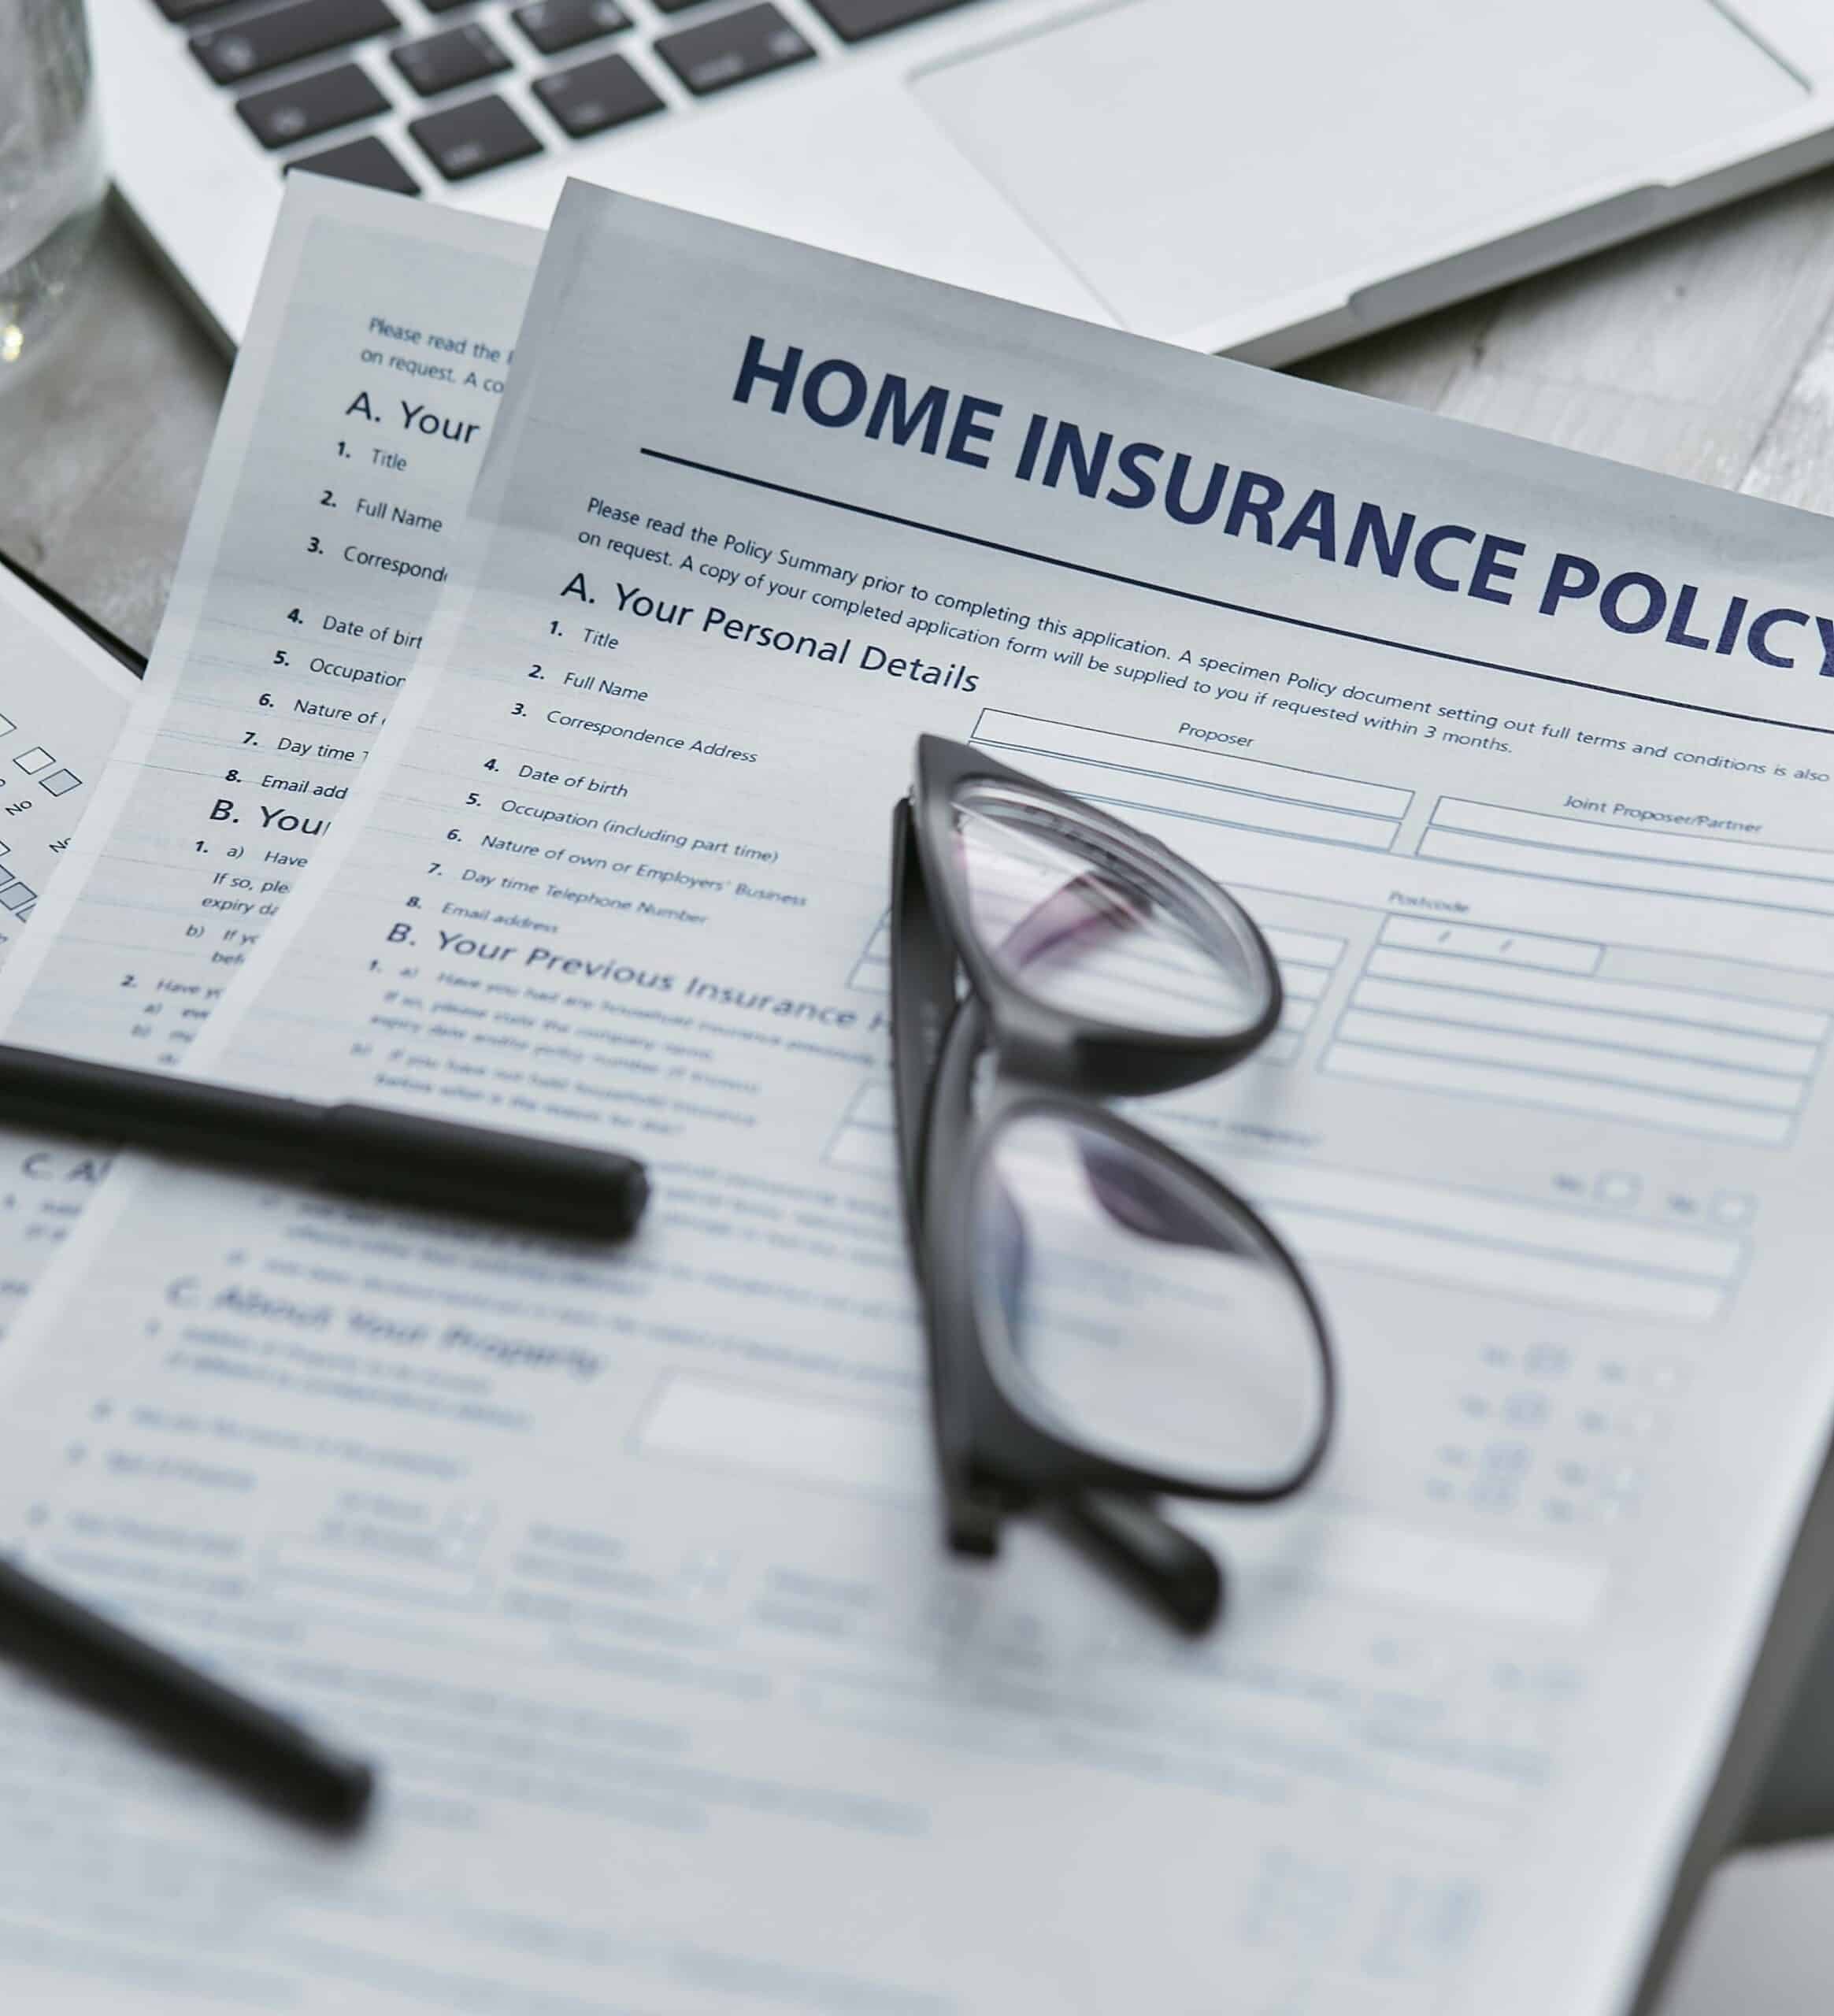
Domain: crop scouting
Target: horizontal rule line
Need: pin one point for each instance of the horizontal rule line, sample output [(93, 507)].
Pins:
[(1234, 607)]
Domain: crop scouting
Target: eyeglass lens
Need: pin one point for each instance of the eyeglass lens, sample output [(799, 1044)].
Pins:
[(1080, 925), (1153, 1319)]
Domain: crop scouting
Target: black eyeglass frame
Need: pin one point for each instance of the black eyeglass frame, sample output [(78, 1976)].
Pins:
[(1000, 1451)]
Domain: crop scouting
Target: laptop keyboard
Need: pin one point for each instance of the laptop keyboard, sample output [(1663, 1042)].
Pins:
[(320, 68)]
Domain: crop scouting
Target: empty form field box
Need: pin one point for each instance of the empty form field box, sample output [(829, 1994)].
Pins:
[(1307, 960), (32, 760), (1655, 860), (1456, 1018), (1482, 941), (872, 972), (1178, 780), (1543, 1252)]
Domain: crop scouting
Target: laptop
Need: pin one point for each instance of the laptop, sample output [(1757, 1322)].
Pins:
[(1260, 177)]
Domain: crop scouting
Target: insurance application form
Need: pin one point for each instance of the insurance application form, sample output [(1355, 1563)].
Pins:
[(350, 436), (627, 1564)]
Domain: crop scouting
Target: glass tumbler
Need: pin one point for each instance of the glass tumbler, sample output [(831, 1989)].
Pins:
[(51, 176)]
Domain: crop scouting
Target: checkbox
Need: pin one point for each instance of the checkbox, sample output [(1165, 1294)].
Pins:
[(59, 782), (33, 760), (17, 898), (6, 726)]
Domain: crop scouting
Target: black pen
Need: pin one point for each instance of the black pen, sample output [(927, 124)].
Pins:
[(279, 1760), (520, 1179)]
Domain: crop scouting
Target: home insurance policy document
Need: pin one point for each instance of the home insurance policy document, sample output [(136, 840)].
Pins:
[(626, 1564)]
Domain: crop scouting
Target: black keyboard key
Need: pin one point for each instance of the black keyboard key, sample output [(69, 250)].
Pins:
[(444, 61), (853, 21), (733, 49), (555, 25), (443, 7), (366, 161), (675, 6), (593, 97), (309, 106), (285, 35), (187, 10), (465, 139)]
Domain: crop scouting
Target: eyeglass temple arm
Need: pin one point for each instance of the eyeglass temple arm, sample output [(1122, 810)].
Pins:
[(923, 1005), (1177, 1575)]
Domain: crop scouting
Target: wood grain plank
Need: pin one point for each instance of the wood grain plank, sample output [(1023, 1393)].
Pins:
[(1677, 353), (1416, 365), (1794, 461)]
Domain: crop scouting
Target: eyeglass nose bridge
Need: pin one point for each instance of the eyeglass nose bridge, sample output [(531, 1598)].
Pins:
[(1032, 1045)]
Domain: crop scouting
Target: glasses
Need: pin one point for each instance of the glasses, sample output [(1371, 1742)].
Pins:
[(1106, 1322)]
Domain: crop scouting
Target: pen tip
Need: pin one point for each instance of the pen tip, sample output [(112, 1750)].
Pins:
[(636, 1200), (346, 1788)]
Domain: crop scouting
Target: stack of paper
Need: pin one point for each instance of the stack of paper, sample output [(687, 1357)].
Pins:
[(628, 1566)]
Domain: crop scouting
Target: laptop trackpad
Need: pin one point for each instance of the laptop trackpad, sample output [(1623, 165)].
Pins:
[(1191, 159)]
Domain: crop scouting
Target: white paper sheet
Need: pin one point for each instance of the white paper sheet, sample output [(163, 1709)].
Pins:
[(63, 701), (628, 1565), (213, 798), (350, 435)]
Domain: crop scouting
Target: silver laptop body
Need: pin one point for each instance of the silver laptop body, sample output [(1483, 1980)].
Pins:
[(1261, 177)]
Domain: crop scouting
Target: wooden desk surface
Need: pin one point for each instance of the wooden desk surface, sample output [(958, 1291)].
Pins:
[(1707, 352)]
